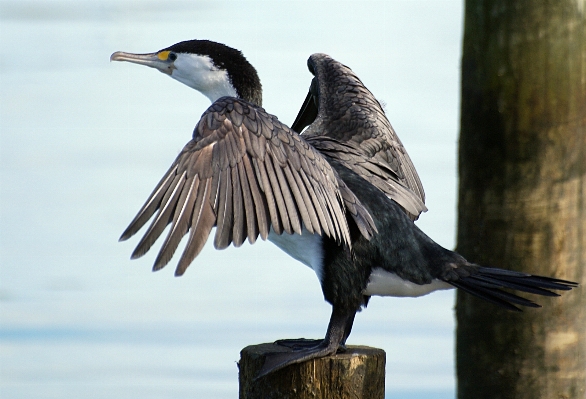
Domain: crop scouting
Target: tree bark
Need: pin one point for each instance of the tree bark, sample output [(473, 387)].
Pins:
[(522, 194)]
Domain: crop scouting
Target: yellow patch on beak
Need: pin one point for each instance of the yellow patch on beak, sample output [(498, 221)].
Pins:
[(163, 55)]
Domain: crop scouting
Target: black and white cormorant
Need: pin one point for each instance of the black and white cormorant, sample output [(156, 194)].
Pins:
[(341, 197)]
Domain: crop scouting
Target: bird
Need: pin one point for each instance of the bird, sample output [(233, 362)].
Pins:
[(336, 191)]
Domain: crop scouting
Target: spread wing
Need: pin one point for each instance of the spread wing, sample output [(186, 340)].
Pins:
[(245, 173), (351, 127)]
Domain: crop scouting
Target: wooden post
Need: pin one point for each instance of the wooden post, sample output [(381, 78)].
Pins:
[(359, 373), (522, 200)]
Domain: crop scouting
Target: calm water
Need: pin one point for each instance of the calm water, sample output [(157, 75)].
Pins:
[(83, 141)]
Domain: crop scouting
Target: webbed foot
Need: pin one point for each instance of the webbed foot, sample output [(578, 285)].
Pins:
[(303, 349)]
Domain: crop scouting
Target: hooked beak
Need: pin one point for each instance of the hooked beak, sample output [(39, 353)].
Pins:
[(309, 109), (153, 60)]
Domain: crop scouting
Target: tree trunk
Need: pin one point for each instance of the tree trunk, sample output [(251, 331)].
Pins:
[(522, 198), (358, 373)]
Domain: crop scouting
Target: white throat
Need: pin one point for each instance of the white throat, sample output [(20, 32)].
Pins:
[(200, 73)]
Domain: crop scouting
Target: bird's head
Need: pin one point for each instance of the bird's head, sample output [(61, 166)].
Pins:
[(211, 68)]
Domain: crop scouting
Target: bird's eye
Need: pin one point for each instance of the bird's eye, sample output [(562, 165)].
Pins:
[(172, 56)]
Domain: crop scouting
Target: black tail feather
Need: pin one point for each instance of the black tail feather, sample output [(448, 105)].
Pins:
[(516, 284), (485, 296), (496, 296), (528, 279), (487, 283)]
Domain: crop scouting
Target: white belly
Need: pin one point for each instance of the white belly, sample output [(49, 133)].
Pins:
[(384, 283), (306, 248)]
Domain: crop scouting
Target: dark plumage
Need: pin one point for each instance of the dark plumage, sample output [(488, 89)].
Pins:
[(242, 75), (341, 197), (245, 173), (413, 256), (351, 127)]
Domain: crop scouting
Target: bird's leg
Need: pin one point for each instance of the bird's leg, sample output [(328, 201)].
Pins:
[(304, 343), (347, 331), (338, 330)]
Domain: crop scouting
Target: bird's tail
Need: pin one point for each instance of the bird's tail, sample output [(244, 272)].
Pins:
[(488, 283)]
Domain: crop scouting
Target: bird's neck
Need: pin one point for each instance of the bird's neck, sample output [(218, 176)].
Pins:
[(200, 73), (207, 79), (219, 87)]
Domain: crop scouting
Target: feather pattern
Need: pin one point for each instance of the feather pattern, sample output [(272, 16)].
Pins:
[(488, 283), (245, 173), (352, 128)]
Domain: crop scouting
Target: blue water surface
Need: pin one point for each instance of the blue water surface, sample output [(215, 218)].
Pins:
[(83, 141)]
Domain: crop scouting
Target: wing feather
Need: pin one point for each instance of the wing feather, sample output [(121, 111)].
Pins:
[(326, 222), (336, 223), (202, 221), (180, 224), (316, 206), (238, 232), (249, 211), (290, 206), (277, 192), (260, 204), (271, 200), (247, 174), (151, 206), (307, 203), (350, 117), (162, 219), (225, 213)]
